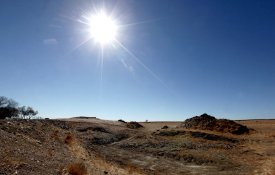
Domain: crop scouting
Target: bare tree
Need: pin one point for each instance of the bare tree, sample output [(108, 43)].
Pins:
[(31, 112), (8, 108), (8, 112), (27, 112), (3, 101), (22, 112)]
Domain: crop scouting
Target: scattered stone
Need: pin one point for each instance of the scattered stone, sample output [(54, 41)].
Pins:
[(165, 127)]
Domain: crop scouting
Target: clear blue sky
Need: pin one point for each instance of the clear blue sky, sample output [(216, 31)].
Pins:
[(214, 56)]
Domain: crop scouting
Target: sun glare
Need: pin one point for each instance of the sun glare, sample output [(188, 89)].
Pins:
[(102, 28)]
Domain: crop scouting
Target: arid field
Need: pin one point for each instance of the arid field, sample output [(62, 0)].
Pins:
[(80, 146)]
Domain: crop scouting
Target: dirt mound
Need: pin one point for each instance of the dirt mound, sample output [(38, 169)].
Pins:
[(134, 125), (122, 121), (207, 122)]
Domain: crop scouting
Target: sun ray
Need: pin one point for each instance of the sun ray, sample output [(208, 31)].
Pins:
[(101, 70), (103, 29), (140, 62), (77, 46), (140, 22)]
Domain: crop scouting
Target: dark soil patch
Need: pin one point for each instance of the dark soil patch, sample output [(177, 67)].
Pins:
[(108, 139), (195, 135), (169, 133), (97, 129), (212, 137)]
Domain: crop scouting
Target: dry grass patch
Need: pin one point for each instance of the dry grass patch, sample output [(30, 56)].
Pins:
[(69, 139), (77, 169), (55, 135)]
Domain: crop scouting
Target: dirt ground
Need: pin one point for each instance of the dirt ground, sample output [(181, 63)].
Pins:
[(95, 147)]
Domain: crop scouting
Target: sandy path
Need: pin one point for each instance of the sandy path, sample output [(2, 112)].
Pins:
[(94, 164)]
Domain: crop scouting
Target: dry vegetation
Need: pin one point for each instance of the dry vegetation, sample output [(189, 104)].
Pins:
[(92, 146), (77, 169)]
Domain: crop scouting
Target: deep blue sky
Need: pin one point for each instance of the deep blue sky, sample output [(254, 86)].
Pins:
[(214, 56)]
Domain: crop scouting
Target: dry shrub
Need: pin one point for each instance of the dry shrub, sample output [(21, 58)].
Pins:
[(69, 139), (77, 169), (50, 152), (130, 168), (55, 135)]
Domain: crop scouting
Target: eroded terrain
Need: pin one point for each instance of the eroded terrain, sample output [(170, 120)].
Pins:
[(92, 146)]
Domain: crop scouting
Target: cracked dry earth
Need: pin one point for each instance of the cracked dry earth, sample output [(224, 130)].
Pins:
[(108, 147)]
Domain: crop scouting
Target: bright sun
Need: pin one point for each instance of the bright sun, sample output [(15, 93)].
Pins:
[(102, 28)]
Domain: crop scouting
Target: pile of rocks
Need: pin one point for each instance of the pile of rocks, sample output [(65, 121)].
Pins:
[(134, 125), (207, 122)]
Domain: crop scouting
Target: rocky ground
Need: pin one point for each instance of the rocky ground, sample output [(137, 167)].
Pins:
[(93, 146)]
